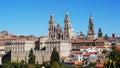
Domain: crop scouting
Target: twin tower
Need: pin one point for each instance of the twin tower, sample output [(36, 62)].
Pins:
[(56, 31)]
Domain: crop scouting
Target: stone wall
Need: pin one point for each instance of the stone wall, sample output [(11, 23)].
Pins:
[(23, 55)]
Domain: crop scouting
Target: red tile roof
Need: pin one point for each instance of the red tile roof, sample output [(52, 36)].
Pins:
[(70, 61), (118, 47), (2, 44), (102, 46), (88, 53), (100, 64), (99, 40), (7, 38), (18, 38), (103, 55), (79, 63), (80, 41), (85, 40)]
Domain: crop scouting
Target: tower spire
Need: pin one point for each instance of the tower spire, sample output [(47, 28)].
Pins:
[(91, 32), (99, 33), (52, 15), (67, 14), (68, 30), (52, 27), (58, 26), (91, 20)]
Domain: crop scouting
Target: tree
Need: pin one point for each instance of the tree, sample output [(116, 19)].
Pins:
[(37, 66), (30, 66), (15, 65), (32, 58), (55, 56), (105, 52), (46, 64), (55, 65), (22, 63), (6, 65), (114, 59), (6, 59)]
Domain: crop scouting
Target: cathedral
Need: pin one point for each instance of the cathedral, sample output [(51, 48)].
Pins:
[(56, 31), (57, 37), (67, 33), (62, 38)]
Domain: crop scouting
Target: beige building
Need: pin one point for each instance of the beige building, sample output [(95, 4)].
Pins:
[(56, 38), (20, 45), (63, 46), (23, 55), (42, 41), (61, 38), (20, 51)]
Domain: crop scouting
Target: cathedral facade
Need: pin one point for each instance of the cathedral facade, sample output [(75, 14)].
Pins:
[(56, 31), (57, 37)]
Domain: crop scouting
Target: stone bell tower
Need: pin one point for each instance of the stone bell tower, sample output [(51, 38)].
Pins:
[(68, 30), (91, 35), (100, 34), (52, 28)]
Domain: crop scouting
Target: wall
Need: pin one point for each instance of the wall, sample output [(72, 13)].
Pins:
[(23, 55)]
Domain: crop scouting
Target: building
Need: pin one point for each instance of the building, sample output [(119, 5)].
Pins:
[(56, 38), (61, 38), (78, 43), (42, 41), (91, 31), (100, 34), (56, 32), (63, 47), (20, 45)]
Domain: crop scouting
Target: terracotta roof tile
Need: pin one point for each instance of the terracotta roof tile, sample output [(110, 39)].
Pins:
[(79, 63), (70, 61), (88, 53), (100, 64), (99, 40), (22, 39), (102, 46), (102, 55), (2, 44), (118, 47), (7, 38), (81, 41)]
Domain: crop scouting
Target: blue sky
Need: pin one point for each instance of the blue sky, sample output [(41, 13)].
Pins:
[(25, 17)]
